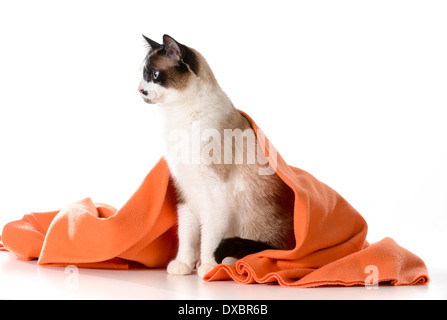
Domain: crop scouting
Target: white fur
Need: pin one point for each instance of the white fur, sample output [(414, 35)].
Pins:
[(156, 93), (207, 215)]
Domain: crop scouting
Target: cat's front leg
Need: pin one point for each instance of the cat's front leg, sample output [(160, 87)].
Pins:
[(214, 228), (188, 233)]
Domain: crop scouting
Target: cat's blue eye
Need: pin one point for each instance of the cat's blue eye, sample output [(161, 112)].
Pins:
[(155, 74)]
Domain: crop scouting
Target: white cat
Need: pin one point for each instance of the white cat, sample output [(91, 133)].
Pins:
[(226, 207)]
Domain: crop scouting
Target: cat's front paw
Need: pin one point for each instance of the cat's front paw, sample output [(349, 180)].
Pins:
[(178, 267), (205, 268)]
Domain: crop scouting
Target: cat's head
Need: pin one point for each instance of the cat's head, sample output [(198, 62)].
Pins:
[(169, 70)]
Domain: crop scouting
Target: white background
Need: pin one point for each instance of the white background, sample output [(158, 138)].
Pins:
[(352, 91)]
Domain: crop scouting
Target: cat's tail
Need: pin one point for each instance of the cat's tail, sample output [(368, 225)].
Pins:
[(238, 248)]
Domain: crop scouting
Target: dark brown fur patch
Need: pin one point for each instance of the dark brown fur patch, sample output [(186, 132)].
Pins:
[(172, 74)]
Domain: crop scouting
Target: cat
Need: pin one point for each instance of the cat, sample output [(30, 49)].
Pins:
[(226, 208)]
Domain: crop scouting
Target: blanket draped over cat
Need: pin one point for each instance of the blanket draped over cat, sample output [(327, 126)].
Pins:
[(330, 237)]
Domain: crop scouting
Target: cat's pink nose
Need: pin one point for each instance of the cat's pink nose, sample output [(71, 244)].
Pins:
[(142, 91)]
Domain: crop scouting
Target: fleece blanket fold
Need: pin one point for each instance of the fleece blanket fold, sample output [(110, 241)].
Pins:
[(330, 235)]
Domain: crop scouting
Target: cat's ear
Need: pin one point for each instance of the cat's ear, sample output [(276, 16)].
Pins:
[(152, 44), (174, 50)]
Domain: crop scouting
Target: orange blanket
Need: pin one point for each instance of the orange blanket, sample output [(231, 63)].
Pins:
[(331, 246)]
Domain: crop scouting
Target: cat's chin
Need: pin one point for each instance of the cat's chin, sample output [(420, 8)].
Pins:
[(149, 101)]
